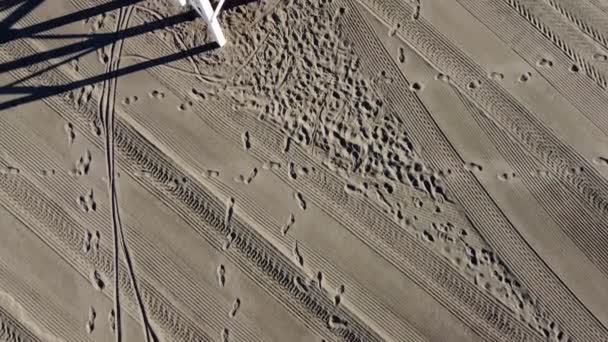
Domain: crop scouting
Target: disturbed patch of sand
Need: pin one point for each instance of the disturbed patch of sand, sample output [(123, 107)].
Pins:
[(356, 170)]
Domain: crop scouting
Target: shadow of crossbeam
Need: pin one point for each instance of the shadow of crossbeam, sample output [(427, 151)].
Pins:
[(23, 9), (90, 43), (30, 5), (38, 93), (95, 41)]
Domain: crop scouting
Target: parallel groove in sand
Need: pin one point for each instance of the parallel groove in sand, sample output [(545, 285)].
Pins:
[(530, 12), (436, 139), (260, 214), (537, 185), (341, 190), (584, 17), (85, 128), (349, 219), (208, 107), (578, 227), (275, 224), (194, 197), (167, 318), (33, 207), (163, 176), (21, 291), (430, 134), (596, 116), (585, 183), (70, 186), (590, 102), (170, 269), (341, 333), (424, 40), (13, 330)]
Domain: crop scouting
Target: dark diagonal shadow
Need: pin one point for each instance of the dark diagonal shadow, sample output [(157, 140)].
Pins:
[(38, 93), (236, 3), (88, 43), (55, 22), (25, 7), (96, 41)]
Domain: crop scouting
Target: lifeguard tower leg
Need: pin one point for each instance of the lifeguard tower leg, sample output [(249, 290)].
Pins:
[(212, 24), (218, 8), (204, 9)]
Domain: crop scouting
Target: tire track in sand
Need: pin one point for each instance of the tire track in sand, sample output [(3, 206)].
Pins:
[(106, 111), (169, 272), (344, 333), (462, 72), (224, 129)]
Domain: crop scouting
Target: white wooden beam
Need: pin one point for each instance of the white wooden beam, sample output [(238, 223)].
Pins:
[(204, 9), (218, 9)]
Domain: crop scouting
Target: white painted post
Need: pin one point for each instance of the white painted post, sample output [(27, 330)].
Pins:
[(204, 9), (218, 9)]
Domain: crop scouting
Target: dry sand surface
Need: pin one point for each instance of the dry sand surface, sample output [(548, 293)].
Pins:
[(341, 170)]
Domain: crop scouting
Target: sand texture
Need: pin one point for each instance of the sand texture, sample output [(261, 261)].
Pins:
[(341, 170)]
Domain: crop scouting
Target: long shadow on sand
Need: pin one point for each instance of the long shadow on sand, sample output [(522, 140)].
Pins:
[(89, 43)]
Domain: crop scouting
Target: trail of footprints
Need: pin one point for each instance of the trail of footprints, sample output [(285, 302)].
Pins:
[(10, 170), (415, 173), (112, 320), (195, 95), (246, 141), (487, 270), (130, 100), (97, 281), (236, 305), (235, 308), (91, 242), (69, 130), (438, 232), (247, 179), (90, 325), (300, 200), (86, 202), (509, 175), (497, 76), (82, 166), (334, 322), (297, 257), (290, 222)]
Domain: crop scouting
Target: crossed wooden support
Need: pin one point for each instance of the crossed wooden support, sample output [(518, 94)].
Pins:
[(204, 9)]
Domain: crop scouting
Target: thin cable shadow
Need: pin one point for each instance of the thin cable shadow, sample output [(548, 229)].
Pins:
[(77, 49), (25, 7), (95, 42), (16, 33), (230, 4), (38, 93)]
